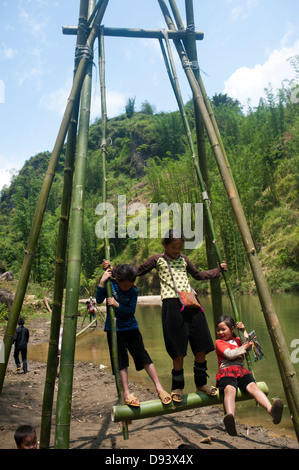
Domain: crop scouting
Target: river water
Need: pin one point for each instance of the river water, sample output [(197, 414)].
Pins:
[(92, 347)]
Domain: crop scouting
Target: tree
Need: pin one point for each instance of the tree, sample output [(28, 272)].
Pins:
[(130, 107), (147, 108)]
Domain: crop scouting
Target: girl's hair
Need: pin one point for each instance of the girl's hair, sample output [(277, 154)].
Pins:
[(22, 432), (229, 321), (172, 235), (124, 272)]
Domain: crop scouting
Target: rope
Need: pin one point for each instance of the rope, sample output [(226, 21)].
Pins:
[(83, 52), (191, 64), (83, 26)]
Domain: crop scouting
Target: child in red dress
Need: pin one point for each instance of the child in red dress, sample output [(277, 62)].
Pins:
[(232, 374)]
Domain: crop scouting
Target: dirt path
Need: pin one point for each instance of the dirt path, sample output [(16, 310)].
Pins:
[(94, 394)]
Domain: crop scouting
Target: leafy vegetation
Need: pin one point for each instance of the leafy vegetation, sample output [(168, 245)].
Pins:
[(149, 161)]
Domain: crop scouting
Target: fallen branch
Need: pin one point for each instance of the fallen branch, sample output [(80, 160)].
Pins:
[(47, 304)]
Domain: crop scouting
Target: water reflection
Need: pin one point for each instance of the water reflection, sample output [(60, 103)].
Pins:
[(92, 347)]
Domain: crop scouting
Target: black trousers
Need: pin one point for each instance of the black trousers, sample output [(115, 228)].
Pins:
[(24, 358)]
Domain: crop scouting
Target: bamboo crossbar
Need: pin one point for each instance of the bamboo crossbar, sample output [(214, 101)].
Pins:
[(139, 33), (153, 408)]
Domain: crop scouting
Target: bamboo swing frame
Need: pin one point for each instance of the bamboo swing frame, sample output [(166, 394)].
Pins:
[(184, 40)]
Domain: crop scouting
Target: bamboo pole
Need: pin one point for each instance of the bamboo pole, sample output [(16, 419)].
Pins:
[(64, 395), (111, 312), (175, 84), (213, 250), (153, 408), (190, 45), (287, 371), (51, 371), (43, 198), (136, 33), (86, 328)]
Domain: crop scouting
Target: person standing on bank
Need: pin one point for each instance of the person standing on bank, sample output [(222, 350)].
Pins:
[(20, 341), (181, 325)]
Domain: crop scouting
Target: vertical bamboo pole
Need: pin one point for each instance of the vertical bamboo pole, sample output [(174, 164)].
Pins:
[(287, 371), (190, 45), (111, 312), (61, 253), (205, 199), (43, 198), (64, 396)]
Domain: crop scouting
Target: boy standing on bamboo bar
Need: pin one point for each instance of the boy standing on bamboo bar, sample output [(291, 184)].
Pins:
[(124, 301)]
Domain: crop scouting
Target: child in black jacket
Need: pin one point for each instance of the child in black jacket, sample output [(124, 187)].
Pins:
[(20, 340)]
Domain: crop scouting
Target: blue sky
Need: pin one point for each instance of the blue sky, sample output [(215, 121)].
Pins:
[(245, 47)]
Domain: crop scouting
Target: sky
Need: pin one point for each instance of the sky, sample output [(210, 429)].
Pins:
[(246, 46)]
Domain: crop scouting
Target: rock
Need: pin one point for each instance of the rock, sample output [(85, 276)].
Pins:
[(6, 297), (7, 276)]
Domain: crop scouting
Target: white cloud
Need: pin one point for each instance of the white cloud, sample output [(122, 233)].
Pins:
[(5, 178), (56, 101), (116, 103), (36, 27), (241, 9), (7, 170), (7, 52), (249, 83)]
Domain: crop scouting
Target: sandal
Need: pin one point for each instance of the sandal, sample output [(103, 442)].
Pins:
[(209, 390), (165, 397), (276, 411), (177, 395), (131, 399)]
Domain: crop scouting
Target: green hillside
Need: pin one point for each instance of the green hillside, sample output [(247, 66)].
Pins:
[(149, 161)]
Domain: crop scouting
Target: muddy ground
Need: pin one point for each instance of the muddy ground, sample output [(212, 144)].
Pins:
[(94, 394)]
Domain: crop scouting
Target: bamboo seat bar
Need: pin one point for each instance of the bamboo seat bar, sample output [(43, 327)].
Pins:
[(153, 408), (138, 33)]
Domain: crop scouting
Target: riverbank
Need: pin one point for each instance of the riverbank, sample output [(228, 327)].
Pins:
[(94, 394)]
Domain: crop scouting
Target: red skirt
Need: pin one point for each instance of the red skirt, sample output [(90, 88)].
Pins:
[(232, 371)]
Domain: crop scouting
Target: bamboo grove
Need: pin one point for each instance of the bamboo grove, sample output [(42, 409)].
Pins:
[(76, 126)]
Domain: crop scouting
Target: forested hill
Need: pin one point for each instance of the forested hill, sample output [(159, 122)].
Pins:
[(149, 161)]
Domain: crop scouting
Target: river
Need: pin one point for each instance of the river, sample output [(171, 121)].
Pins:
[(92, 347)]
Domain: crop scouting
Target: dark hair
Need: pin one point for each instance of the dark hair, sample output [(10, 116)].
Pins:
[(124, 272), (22, 432), (21, 321), (187, 446), (229, 321), (172, 235)]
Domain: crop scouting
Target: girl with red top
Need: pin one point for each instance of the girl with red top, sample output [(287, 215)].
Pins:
[(232, 374)]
